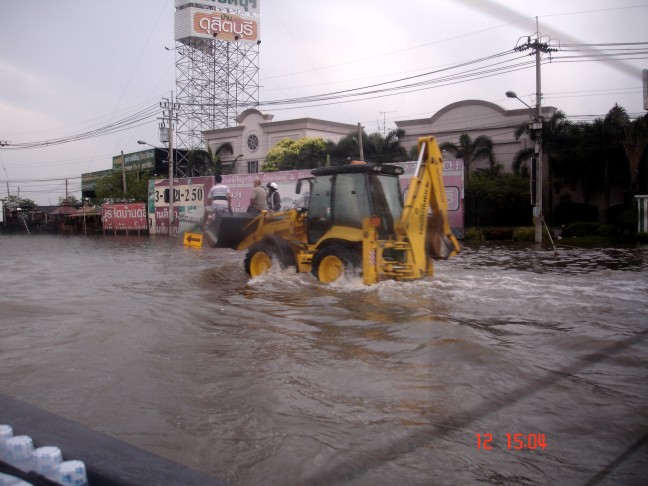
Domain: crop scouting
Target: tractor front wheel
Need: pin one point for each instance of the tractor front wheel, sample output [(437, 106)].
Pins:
[(261, 256)]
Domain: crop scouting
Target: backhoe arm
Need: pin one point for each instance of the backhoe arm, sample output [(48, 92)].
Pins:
[(429, 235)]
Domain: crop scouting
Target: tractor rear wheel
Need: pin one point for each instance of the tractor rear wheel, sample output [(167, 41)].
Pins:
[(330, 263)]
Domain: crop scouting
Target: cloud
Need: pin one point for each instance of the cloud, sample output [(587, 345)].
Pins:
[(14, 76)]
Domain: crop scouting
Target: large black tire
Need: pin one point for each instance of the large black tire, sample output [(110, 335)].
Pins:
[(333, 261), (262, 255)]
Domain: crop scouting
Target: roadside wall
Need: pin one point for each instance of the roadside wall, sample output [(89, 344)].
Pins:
[(191, 195)]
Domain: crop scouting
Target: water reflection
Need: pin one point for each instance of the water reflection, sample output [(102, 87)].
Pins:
[(566, 259)]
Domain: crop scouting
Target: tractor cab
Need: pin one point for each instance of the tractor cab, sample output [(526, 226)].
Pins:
[(343, 196)]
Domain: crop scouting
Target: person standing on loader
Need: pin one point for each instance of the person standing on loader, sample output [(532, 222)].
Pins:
[(274, 199), (219, 199), (220, 196), (258, 200)]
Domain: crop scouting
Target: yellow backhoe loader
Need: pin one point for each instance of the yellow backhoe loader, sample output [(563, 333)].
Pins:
[(357, 221)]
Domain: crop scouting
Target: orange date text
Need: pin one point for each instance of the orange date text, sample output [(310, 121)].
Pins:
[(515, 441)]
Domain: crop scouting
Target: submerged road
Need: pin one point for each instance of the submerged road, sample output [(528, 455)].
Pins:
[(509, 366)]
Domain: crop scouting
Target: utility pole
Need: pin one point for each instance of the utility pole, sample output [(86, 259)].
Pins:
[(538, 48), (169, 108), (384, 113), (123, 173), (360, 141)]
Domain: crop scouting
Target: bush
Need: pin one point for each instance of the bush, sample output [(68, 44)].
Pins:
[(581, 229), (498, 233), (608, 230), (526, 233), (497, 200), (473, 234)]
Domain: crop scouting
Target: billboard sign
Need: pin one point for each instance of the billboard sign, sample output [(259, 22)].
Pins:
[(122, 217), (252, 6), (189, 199), (89, 179), (453, 182), (215, 24), (142, 160)]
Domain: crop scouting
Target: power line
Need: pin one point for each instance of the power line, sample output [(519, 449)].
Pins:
[(394, 87), (132, 121)]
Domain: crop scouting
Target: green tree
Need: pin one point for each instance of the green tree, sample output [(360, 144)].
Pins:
[(346, 149), (17, 202), (206, 162), (471, 151), (290, 154), (386, 149), (635, 141), (554, 132), (71, 200), (376, 148), (494, 198), (110, 188)]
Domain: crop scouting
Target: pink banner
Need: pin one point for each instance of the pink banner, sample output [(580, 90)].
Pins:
[(162, 220), (122, 217)]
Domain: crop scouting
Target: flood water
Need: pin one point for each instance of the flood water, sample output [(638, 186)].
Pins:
[(285, 381)]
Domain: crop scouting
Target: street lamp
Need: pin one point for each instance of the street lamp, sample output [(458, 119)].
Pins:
[(511, 94), (171, 197), (536, 171), (142, 142)]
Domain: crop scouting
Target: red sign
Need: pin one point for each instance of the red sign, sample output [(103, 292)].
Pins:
[(124, 216), (162, 220)]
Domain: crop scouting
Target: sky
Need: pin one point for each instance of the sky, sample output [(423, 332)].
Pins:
[(69, 68)]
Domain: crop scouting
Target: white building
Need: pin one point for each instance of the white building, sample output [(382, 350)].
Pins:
[(256, 133)]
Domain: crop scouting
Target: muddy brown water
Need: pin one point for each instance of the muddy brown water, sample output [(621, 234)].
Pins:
[(282, 380)]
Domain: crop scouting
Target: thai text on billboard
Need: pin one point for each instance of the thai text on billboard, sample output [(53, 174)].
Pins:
[(188, 203), (214, 24), (124, 216), (251, 6)]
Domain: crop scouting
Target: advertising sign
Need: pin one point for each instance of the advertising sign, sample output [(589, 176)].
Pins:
[(142, 160), (252, 6), (124, 217), (215, 24), (453, 181), (189, 199)]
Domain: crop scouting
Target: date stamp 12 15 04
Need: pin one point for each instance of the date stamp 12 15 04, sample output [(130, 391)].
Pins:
[(515, 441)]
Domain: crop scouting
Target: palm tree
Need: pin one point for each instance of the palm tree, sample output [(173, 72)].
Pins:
[(385, 149), (206, 162), (557, 137), (375, 147), (554, 132), (635, 141), (471, 151)]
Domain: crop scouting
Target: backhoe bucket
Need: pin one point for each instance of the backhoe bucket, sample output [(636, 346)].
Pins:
[(441, 246)]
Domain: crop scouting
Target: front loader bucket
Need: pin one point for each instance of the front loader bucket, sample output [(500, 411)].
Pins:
[(226, 230)]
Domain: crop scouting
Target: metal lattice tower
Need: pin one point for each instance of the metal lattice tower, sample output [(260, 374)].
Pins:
[(216, 80)]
